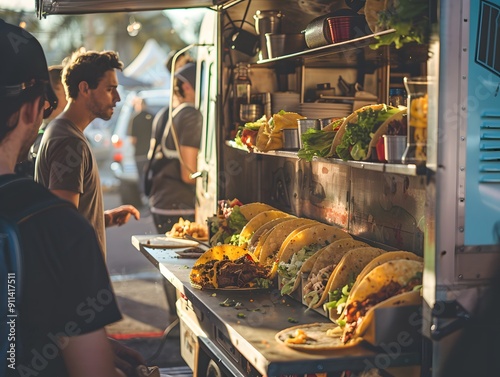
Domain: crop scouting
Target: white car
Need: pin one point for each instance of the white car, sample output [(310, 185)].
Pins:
[(123, 161)]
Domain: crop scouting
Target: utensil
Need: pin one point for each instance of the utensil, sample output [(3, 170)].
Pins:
[(394, 148), (191, 238), (266, 21), (250, 112), (284, 44), (290, 139), (304, 125)]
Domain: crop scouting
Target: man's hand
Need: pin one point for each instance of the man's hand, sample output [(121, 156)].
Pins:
[(120, 215), (126, 359)]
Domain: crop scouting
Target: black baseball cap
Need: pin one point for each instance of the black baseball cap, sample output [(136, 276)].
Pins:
[(187, 73), (23, 65)]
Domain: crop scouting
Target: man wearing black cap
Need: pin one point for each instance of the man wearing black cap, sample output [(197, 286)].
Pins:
[(66, 298)]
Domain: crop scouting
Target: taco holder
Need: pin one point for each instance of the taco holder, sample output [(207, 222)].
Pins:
[(398, 326)]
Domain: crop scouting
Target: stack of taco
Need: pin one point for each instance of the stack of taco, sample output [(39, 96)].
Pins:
[(258, 221), (358, 136), (270, 243), (299, 247)]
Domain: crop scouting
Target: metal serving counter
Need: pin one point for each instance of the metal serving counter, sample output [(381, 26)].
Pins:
[(244, 335)]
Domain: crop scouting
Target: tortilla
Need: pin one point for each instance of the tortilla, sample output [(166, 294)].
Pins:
[(381, 259), (276, 236), (256, 222), (202, 272), (350, 264), (254, 240), (320, 234), (332, 253), (372, 9), (400, 271), (386, 281), (299, 247), (250, 210), (318, 337), (384, 127), (352, 121)]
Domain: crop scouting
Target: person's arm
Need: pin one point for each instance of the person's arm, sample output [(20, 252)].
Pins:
[(89, 355), (120, 215), (190, 158), (126, 359), (70, 196)]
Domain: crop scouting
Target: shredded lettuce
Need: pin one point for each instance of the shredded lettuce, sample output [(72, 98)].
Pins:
[(316, 143)]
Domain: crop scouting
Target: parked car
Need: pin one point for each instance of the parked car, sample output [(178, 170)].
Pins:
[(123, 162), (98, 133)]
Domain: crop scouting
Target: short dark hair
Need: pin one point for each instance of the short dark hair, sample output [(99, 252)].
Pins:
[(90, 67)]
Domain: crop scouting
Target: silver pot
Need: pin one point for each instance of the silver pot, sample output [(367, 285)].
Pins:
[(250, 112), (266, 21)]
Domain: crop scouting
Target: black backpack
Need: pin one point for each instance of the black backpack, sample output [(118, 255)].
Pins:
[(38, 199)]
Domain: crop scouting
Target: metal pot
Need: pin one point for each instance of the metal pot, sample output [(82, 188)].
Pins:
[(266, 21), (250, 112), (317, 33)]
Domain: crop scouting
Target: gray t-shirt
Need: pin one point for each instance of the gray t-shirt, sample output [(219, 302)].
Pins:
[(169, 194), (65, 162)]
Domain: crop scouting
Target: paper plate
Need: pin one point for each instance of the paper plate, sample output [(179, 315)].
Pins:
[(316, 337)]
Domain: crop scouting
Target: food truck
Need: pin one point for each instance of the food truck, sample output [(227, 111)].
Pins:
[(435, 196)]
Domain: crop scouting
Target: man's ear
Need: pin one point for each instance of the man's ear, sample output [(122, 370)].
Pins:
[(30, 111), (83, 87)]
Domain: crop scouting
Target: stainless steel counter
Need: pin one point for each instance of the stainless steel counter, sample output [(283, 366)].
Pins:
[(246, 334)]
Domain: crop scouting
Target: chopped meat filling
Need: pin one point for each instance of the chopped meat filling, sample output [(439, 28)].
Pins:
[(239, 273), (356, 310)]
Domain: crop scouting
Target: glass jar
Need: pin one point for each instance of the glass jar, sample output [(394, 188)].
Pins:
[(417, 104), (397, 97)]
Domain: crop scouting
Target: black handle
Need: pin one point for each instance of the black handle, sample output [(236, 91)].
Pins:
[(355, 5)]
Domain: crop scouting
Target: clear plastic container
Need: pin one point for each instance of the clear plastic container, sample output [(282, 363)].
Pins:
[(417, 104)]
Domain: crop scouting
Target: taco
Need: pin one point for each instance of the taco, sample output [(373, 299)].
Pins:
[(318, 143), (395, 280), (329, 256), (337, 264), (261, 232), (297, 248), (247, 134), (270, 135), (256, 222), (383, 258), (229, 267), (276, 236), (359, 133), (231, 217)]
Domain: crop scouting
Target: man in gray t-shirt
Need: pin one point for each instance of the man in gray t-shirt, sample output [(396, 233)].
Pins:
[(65, 163)]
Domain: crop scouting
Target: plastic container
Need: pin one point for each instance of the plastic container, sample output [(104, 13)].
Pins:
[(417, 104)]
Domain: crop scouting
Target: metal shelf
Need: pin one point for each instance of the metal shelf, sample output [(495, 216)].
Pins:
[(335, 48), (404, 169)]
